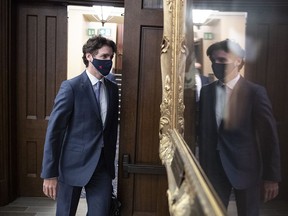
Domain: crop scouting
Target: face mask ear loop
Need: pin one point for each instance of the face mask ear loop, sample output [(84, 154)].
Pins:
[(236, 65)]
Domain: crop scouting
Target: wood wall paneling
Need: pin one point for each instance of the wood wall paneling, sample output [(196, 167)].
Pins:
[(148, 103), (266, 64), (278, 92), (119, 42), (141, 193), (42, 60), (5, 178)]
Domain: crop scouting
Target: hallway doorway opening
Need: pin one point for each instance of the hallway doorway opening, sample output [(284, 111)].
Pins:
[(85, 22)]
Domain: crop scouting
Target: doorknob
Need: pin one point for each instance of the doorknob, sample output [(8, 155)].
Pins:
[(140, 168)]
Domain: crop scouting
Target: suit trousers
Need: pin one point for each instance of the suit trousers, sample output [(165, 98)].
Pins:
[(98, 193), (247, 200)]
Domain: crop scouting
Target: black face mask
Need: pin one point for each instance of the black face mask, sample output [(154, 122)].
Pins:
[(219, 70), (103, 66)]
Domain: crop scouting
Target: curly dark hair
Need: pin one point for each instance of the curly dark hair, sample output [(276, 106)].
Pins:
[(94, 44)]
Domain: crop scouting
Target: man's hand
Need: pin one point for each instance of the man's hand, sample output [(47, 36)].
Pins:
[(50, 187), (270, 190)]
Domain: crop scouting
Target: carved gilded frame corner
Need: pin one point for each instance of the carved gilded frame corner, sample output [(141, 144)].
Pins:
[(189, 191)]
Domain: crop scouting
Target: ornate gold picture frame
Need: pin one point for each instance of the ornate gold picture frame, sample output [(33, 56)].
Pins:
[(189, 191)]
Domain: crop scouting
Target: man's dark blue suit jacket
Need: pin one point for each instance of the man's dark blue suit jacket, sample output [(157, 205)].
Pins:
[(75, 132), (247, 142)]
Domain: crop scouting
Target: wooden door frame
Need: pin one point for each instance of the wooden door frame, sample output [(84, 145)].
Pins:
[(131, 167), (8, 148)]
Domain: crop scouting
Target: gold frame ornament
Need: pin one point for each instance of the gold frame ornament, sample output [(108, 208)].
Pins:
[(189, 191)]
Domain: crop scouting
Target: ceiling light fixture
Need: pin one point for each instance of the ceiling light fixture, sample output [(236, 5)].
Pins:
[(202, 17), (103, 13)]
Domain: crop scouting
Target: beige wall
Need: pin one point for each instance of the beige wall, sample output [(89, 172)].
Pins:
[(77, 36), (226, 25)]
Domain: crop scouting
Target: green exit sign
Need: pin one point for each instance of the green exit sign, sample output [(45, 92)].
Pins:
[(208, 36), (91, 32)]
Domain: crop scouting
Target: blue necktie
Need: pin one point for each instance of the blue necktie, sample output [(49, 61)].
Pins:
[(223, 100), (97, 90)]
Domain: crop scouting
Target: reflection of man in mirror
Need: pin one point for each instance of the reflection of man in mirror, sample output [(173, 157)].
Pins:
[(238, 142), (200, 80), (194, 78)]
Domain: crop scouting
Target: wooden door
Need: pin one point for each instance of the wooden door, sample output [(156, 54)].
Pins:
[(266, 64), (142, 180), (41, 66), (6, 107)]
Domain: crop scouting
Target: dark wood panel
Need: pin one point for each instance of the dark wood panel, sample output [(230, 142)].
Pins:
[(277, 88), (119, 42), (258, 52), (153, 187), (141, 193), (31, 66), (149, 96), (31, 156), (50, 80), (3, 94), (6, 159), (149, 99), (266, 64), (42, 34)]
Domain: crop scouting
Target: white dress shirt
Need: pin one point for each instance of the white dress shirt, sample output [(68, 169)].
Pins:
[(198, 85), (103, 100), (222, 99)]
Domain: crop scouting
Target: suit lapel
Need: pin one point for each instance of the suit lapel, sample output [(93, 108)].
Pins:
[(108, 99), (213, 97), (237, 103), (88, 90)]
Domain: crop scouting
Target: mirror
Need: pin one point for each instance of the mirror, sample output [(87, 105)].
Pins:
[(189, 191), (264, 40), (209, 26)]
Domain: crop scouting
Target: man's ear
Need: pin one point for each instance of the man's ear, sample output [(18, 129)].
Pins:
[(238, 62), (241, 62), (89, 57)]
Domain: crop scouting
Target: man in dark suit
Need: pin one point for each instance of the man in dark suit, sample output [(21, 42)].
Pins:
[(81, 136), (200, 80), (238, 141)]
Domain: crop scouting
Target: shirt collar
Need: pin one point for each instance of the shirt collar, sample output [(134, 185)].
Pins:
[(92, 78), (231, 84)]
